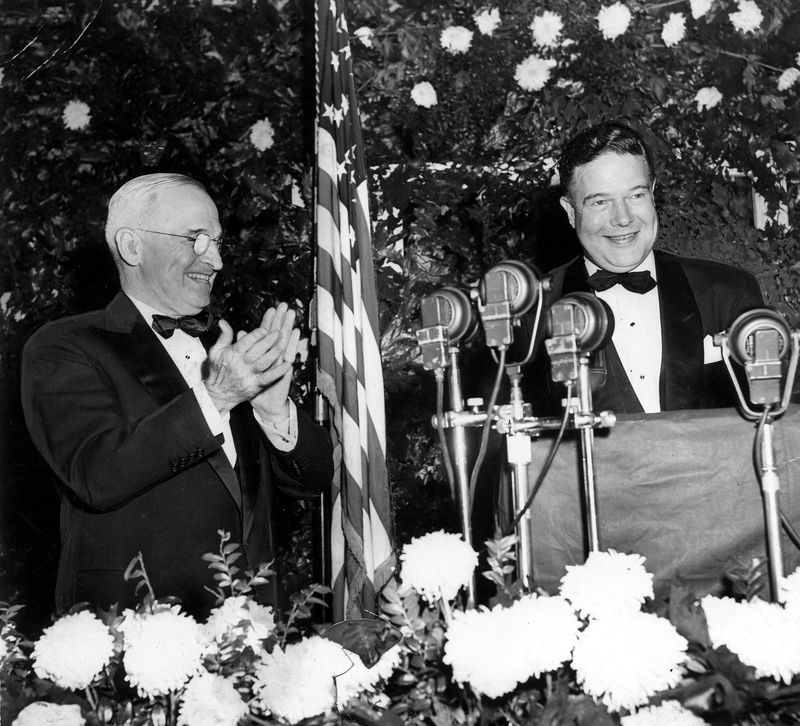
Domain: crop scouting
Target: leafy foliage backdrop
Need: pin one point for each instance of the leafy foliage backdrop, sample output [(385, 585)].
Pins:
[(96, 91)]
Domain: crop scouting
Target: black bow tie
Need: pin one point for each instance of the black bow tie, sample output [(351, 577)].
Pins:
[(193, 325), (640, 282)]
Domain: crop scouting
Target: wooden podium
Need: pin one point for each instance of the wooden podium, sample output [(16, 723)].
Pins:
[(680, 488)]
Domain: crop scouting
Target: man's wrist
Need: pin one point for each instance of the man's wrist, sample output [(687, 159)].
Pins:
[(274, 417)]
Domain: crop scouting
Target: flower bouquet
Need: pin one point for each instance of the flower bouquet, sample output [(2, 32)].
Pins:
[(591, 654)]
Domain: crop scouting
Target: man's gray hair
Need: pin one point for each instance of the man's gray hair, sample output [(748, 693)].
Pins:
[(131, 205)]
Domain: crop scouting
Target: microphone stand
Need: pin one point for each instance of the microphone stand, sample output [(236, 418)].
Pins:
[(439, 353), (518, 452), (587, 453), (768, 474), (460, 455), (770, 487)]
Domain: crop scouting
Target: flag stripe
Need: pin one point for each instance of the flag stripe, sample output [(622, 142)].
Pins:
[(348, 343)]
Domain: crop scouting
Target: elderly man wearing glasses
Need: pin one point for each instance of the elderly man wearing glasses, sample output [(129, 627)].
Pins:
[(160, 435)]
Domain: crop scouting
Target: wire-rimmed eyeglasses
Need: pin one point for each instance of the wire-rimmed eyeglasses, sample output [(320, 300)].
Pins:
[(200, 242)]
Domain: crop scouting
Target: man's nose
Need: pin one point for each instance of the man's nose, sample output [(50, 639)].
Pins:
[(620, 214), (212, 257)]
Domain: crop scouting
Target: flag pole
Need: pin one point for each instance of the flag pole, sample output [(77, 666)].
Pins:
[(321, 524)]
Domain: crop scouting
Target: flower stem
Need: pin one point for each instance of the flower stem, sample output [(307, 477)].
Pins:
[(91, 697), (448, 614), (256, 719), (663, 5)]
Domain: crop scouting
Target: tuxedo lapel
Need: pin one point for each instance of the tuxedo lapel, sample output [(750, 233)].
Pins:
[(129, 335), (246, 438), (682, 337)]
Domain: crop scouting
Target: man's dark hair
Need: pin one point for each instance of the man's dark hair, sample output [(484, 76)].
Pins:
[(608, 137)]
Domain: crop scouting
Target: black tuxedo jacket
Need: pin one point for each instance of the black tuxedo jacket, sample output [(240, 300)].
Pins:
[(141, 471), (697, 298)]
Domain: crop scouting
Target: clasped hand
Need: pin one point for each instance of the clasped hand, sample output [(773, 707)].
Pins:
[(257, 367)]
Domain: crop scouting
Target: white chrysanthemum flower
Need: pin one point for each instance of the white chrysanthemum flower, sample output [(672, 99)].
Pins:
[(625, 659), (533, 73), (546, 29), (73, 650), (544, 633), (76, 115), (608, 583), (788, 78), (437, 565), (668, 713), (476, 649), (211, 700), (424, 94), (162, 650), (365, 34), (674, 29), (700, 7), (613, 20), (790, 591), (298, 682), (358, 678), (239, 616), (225, 617), (260, 623), (456, 39), (762, 634), (707, 98), (748, 18), (40, 713), (495, 650), (487, 21), (262, 135)]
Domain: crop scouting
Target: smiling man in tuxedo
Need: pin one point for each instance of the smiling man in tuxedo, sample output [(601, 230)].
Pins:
[(666, 308), (160, 443)]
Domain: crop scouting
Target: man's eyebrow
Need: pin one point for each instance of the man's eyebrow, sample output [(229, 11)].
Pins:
[(605, 195), (596, 195)]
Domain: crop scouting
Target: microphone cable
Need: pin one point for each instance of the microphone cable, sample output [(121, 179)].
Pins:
[(448, 464), (487, 427)]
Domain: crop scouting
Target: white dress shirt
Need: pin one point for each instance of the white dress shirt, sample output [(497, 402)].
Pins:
[(637, 334), (188, 354)]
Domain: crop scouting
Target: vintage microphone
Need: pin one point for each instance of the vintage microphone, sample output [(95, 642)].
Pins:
[(448, 318), (506, 293), (577, 325), (761, 341)]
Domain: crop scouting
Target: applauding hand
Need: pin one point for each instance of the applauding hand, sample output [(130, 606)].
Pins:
[(242, 370)]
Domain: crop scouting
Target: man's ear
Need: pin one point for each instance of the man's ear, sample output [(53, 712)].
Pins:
[(129, 246), (570, 210)]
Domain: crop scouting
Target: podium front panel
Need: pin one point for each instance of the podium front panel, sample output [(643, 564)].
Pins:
[(680, 488)]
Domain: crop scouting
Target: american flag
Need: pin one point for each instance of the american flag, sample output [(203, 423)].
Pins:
[(349, 372)]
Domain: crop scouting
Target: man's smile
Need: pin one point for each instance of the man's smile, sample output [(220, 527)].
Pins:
[(203, 278), (621, 238)]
